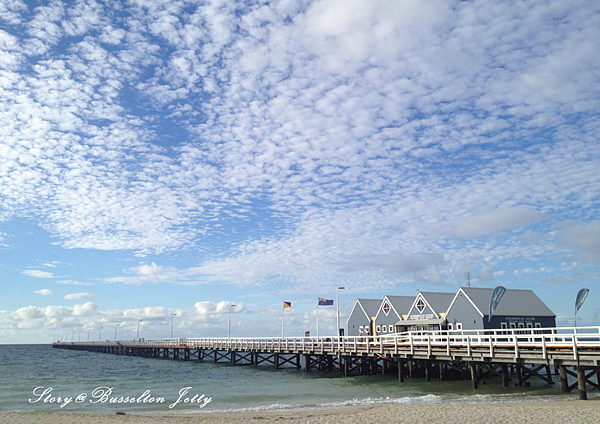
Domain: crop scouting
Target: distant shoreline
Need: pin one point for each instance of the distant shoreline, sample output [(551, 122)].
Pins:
[(573, 412)]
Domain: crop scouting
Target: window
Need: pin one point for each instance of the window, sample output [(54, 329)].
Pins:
[(538, 325), (529, 325), (378, 328), (386, 308), (420, 305), (459, 325), (450, 326)]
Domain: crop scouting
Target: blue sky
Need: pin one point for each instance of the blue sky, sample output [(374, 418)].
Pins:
[(161, 157)]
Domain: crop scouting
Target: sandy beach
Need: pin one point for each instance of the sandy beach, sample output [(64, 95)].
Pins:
[(534, 412)]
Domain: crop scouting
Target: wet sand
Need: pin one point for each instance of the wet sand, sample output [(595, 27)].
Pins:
[(526, 412)]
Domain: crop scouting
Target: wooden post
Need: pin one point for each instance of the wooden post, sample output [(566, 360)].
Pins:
[(564, 384), (504, 372), (276, 360), (474, 376), (329, 363), (306, 363), (400, 371), (410, 369), (232, 355), (581, 383), (427, 368), (441, 371), (345, 367), (383, 366), (519, 377)]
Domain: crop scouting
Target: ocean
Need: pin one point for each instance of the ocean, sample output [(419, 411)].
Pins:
[(39, 378)]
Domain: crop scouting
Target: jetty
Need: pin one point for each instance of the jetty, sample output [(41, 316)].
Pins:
[(474, 354)]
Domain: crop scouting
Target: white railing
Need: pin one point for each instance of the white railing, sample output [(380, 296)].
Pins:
[(488, 343)]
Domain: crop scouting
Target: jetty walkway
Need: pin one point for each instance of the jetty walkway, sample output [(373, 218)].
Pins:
[(475, 354)]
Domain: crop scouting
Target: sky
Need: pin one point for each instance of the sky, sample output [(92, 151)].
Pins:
[(179, 157)]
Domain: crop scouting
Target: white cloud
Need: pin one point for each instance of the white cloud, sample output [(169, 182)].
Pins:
[(209, 308), (38, 274), (151, 272), (479, 225), (585, 239), (486, 273), (74, 283), (76, 296), (88, 309), (44, 292)]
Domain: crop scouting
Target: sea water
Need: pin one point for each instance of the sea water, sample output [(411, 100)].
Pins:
[(39, 378)]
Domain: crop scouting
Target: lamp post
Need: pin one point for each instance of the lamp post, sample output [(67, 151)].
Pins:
[(80, 335), (229, 324), (138, 331), (100, 335), (337, 293), (116, 326), (72, 337), (172, 318), (89, 329)]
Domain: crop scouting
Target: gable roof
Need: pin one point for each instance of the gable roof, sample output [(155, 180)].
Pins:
[(438, 302), (400, 304), (514, 302), (369, 307)]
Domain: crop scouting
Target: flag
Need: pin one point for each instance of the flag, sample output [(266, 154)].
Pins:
[(287, 304), (495, 300), (581, 295), (325, 302)]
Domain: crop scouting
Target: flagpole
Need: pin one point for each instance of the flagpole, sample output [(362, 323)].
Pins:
[(317, 318), (282, 317)]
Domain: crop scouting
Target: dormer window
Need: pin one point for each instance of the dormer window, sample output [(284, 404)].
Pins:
[(420, 305), (386, 308)]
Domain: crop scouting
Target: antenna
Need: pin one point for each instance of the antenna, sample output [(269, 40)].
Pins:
[(468, 277)]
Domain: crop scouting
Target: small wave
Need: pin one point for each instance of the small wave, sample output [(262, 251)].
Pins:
[(278, 407)]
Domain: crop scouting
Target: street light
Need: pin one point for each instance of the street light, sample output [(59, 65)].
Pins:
[(229, 324), (337, 292), (172, 325), (72, 337), (116, 326), (100, 335), (80, 335), (138, 331), (89, 329)]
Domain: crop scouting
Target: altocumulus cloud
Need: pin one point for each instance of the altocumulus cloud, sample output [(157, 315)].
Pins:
[(44, 292)]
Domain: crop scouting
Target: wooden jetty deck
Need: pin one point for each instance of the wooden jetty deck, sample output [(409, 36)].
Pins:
[(527, 352)]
